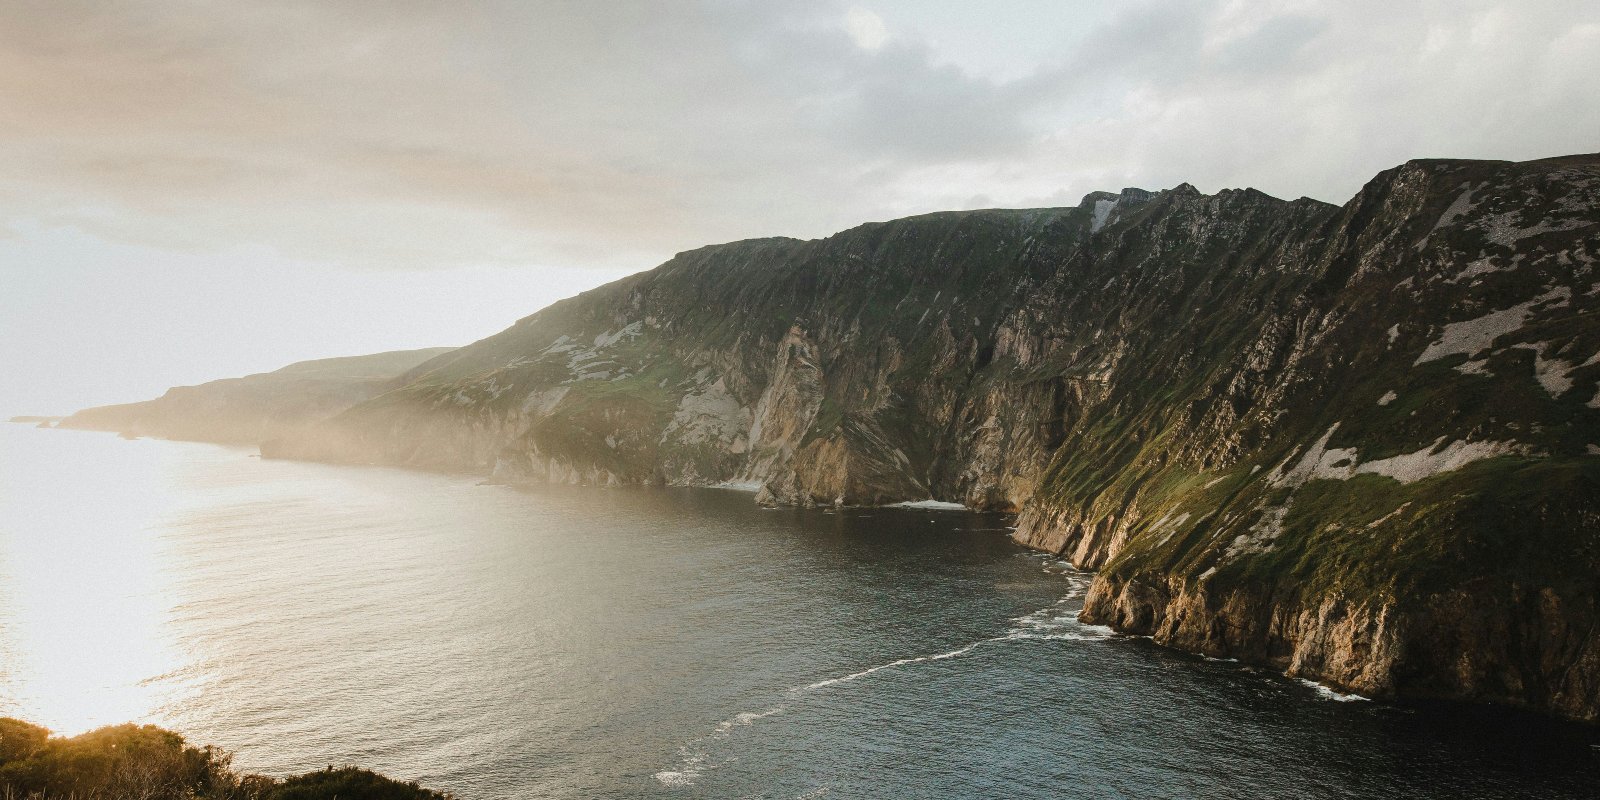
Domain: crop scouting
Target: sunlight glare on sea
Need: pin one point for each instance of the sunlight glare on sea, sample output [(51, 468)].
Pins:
[(86, 582)]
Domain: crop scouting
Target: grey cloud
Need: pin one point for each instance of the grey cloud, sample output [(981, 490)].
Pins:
[(1276, 45), (563, 131), (612, 134)]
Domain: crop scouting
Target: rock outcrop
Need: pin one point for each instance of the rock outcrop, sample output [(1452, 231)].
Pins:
[(1357, 443)]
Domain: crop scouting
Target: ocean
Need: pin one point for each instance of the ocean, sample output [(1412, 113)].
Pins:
[(563, 642)]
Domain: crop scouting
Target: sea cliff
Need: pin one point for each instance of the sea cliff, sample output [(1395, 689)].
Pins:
[(1357, 443)]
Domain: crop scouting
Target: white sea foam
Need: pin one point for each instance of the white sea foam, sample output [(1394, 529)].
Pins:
[(930, 505), (696, 760), (1086, 635), (1059, 621), (961, 651), (1055, 622), (687, 772), (748, 718), (1329, 694)]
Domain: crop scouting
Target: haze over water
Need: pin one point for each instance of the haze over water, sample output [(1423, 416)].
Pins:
[(577, 643)]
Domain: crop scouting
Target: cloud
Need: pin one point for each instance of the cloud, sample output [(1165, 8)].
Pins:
[(420, 134), (866, 29)]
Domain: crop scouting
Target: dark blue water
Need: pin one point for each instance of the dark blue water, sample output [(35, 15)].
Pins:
[(577, 643)]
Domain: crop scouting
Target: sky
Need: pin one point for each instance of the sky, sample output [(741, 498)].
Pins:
[(192, 190)]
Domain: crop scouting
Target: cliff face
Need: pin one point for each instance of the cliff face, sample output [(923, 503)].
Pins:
[(1358, 443), (256, 407), (1393, 488)]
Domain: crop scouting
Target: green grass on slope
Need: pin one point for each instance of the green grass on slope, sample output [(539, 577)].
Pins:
[(1511, 520)]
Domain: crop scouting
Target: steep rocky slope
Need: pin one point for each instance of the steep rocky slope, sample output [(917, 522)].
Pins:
[(256, 407), (1357, 443)]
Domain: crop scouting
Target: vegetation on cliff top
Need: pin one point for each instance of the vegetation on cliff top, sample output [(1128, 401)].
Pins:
[(134, 762)]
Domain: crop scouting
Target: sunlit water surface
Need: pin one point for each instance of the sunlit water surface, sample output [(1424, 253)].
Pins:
[(574, 643)]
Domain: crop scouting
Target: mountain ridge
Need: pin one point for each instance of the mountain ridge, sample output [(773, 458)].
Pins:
[(1355, 443)]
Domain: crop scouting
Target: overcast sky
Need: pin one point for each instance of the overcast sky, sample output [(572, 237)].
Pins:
[(192, 190)]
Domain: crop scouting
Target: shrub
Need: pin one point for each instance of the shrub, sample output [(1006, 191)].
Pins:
[(144, 762), (348, 783)]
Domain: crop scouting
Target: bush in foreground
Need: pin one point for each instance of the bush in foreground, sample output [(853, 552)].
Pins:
[(134, 762)]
